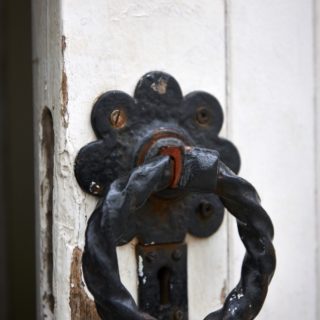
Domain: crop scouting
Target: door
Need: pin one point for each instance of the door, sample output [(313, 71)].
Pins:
[(257, 58)]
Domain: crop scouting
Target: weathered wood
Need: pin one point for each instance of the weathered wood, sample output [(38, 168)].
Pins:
[(47, 68), (256, 57)]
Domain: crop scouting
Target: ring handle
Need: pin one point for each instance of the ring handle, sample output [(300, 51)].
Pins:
[(202, 172), (256, 232), (105, 226)]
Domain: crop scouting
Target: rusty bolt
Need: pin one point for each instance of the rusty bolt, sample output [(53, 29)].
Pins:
[(177, 254), (202, 116), (151, 256), (178, 315), (118, 118), (206, 209)]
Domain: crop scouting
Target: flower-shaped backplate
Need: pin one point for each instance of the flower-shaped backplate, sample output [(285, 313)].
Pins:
[(124, 125)]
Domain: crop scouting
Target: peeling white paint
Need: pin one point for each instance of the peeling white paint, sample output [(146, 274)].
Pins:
[(239, 296)]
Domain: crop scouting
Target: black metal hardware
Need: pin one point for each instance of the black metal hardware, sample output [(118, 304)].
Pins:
[(161, 171), (162, 271)]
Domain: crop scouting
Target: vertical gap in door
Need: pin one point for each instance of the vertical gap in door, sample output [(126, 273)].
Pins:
[(227, 31), (316, 24)]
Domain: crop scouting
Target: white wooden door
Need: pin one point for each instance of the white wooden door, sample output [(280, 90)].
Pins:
[(257, 58)]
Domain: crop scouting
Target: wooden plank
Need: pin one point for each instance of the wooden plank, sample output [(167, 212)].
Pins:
[(101, 45), (317, 140), (271, 120), (47, 72)]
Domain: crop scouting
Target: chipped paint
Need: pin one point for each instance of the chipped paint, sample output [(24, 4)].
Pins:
[(64, 93), (239, 296), (140, 266), (160, 86), (46, 198)]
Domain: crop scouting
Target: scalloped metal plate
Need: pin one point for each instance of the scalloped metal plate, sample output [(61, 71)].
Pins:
[(157, 105)]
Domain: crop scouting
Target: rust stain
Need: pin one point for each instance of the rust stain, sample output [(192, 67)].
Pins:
[(82, 307), (176, 154), (161, 134), (64, 87)]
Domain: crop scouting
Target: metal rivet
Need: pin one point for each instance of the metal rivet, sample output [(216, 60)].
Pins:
[(177, 254), (206, 209), (151, 256), (95, 188), (203, 116), (118, 118), (178, 315)]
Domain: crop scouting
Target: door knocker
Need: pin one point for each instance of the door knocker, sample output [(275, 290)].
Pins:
[(161, 171)]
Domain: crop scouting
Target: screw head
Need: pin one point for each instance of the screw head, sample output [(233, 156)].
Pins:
[(118, 118), (206, 209), (178, 315), (95, 188), (176, 254), (203, 116)]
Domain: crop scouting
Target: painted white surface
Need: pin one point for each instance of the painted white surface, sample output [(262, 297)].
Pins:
[(258, 52), (317, 138), (123, 41), (271, 120)]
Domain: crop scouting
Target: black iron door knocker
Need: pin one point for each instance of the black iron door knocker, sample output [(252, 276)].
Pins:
[(161, 171)]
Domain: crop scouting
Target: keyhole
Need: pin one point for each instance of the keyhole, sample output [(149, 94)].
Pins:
[(164, 277)]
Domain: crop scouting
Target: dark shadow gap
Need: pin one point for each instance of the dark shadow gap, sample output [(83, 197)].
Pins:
[(18, 160), (164, 277), (46, 196)]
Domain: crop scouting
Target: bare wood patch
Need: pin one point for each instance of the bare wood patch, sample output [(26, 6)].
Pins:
[(82, 307), (64, 87), (46, 196)]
